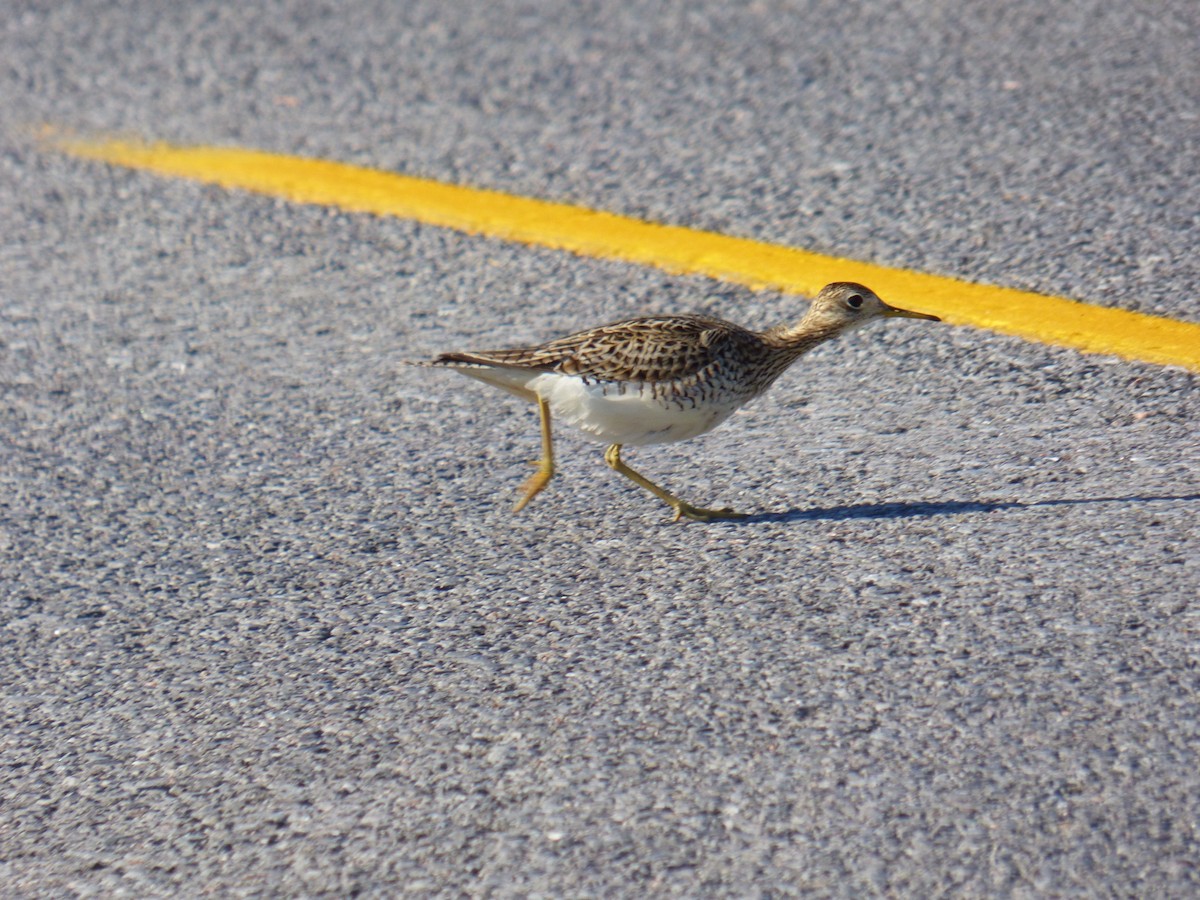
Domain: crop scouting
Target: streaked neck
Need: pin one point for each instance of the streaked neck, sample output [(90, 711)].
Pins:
[(801, 337)]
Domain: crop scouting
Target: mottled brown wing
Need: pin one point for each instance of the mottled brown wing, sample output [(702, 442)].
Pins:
[(650, 349)]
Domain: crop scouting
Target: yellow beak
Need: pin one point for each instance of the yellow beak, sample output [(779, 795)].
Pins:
[(893, 313)]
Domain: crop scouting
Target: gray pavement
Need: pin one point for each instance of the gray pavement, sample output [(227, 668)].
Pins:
[(268, 627)]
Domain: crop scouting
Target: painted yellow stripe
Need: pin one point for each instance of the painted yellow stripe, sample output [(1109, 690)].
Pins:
[(1052, 320)]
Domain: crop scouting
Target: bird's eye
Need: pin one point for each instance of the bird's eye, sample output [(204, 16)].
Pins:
[(855, 301)]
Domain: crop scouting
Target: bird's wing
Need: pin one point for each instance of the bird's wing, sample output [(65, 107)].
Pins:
[(650, 349)]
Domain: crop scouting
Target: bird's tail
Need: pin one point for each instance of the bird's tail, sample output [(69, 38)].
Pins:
[(444, 359)]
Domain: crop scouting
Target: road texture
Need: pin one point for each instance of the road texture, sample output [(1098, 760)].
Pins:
[(268, 627)]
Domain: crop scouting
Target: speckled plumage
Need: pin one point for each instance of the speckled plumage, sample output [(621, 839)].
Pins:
[(685, 358), (657, 379)]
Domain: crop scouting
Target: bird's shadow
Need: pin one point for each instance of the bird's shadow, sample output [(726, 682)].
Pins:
[(948, 508)]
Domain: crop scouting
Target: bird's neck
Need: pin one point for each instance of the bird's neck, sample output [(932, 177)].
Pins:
[(793, 340)]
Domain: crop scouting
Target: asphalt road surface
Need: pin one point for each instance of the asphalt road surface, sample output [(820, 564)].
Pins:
[(268, 627)]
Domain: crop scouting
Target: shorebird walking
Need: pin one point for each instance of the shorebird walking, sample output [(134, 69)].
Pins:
[(659, 379)]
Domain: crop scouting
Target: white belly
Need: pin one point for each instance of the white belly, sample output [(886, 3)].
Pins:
[(633, 417)]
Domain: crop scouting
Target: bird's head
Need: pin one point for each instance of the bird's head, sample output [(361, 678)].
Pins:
[(844, 305)]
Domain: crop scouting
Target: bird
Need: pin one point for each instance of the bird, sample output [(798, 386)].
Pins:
[(660, 379)]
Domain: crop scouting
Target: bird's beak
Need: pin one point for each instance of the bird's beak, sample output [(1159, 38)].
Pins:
[(893, 313)]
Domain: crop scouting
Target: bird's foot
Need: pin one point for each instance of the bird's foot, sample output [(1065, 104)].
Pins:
[(534, 485), (699, 514)]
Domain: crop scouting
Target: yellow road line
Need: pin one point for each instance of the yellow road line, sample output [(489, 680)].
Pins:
[(1051, 320)]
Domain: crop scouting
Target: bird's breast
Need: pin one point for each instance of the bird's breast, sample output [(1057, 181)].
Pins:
[(632, 413)]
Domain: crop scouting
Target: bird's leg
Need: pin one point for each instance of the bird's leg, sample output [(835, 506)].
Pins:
[(612, 456), (545, 472)]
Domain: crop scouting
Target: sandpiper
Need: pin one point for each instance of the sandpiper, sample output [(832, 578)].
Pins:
[(658, 379)]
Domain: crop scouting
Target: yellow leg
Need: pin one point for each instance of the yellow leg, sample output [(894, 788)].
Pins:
[(545, 472), (612, 456)]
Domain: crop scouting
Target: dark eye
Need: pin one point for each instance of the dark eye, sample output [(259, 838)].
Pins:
[(855, 301)]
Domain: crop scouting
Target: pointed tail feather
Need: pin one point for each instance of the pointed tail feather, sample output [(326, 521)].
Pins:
[(452, 359)]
